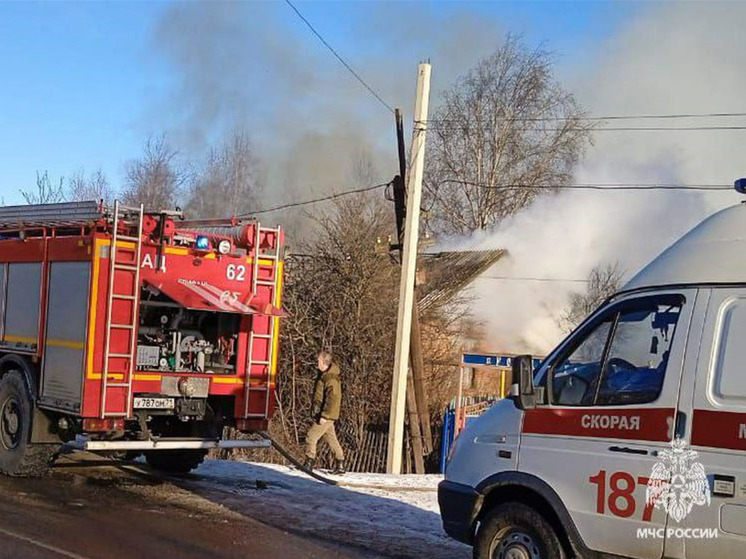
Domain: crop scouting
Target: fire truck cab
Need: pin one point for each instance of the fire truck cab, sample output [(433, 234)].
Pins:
[(129, 331), (629, 440)]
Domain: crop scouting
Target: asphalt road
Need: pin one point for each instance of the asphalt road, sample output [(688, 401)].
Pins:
[(91, 510)]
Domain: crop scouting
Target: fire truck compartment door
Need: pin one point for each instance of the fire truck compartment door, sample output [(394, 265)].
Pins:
[(201, 295), (65, 335)]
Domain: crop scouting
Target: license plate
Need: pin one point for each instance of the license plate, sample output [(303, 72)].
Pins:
[(154, 403)]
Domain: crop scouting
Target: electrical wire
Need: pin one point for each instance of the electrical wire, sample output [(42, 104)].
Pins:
[(657, 128), (600, 186), (338, 57), (317, 200), (611, 117), (509, 278), (660, 116), (615, 128)]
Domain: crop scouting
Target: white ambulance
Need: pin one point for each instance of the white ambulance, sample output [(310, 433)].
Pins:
[(629, 440)]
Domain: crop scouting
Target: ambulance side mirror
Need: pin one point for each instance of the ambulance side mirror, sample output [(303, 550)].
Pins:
[(523, 389)]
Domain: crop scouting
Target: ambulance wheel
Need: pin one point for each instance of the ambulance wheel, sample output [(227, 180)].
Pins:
[(18, 456), (175, 461), (516, 531)]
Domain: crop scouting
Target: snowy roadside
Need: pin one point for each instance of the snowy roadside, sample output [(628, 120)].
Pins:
[(401, 520)]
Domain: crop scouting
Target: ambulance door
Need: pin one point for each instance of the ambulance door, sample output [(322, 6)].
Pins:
[(716, 429), (612, 391)]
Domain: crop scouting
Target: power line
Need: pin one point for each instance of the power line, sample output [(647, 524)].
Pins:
[(666, 116), (600, 186), (510, 278), (659, 128), (610, 117), (614, 128), (317, 200), (606, 186), (647, 128), (338, 57)]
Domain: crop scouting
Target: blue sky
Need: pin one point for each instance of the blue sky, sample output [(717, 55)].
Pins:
[(84, 83)]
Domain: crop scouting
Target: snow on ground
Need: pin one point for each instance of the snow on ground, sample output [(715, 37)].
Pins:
[(392, 516)]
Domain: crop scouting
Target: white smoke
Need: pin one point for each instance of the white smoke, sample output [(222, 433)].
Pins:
[(678, 58)]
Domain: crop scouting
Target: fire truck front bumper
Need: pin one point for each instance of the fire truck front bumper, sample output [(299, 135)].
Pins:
[(166, 444), (459, 508)]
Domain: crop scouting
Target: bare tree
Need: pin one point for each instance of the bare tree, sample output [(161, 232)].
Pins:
[(46, 192), (341, 293), (603, 281), (155, 178), (91, 187), (505, 133), (342, 296), (230, 181)]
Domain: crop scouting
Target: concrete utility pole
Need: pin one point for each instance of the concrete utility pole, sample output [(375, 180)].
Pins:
[(408, 269)]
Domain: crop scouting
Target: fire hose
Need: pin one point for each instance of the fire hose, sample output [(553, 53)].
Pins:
[(293, 460)]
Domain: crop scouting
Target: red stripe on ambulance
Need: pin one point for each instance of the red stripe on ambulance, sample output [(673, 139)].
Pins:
[(719, 429), (635, 424)]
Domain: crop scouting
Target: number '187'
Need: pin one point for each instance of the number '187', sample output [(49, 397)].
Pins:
[(616, 492)]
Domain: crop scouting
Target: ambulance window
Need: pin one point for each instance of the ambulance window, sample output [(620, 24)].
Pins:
[(636, 363), (575, 378), (730, 381)]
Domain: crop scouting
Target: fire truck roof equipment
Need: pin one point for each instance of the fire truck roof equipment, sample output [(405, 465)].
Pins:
[(65, 214)]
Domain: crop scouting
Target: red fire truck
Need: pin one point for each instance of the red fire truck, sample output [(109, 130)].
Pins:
[(130, 331)]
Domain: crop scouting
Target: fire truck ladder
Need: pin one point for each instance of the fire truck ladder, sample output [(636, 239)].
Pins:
[(256, 283), (132, 267)]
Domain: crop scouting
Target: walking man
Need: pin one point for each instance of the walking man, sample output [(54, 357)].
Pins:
[(327, 399)]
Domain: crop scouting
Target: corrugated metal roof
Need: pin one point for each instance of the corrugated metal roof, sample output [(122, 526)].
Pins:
[(450, 272)]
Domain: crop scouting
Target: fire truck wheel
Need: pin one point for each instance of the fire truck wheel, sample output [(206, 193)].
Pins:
[(18, 457), (175, 461), (516, 531)]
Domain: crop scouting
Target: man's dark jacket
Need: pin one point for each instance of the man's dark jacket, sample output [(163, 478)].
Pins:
[(327, 395)]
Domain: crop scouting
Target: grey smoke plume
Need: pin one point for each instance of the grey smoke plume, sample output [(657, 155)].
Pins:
[(256, 66), (677, 58)]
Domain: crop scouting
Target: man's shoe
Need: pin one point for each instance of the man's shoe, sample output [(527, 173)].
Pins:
[(309, 463), (339, 468)]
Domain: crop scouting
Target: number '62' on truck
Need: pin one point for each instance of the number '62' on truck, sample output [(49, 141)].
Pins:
[(133, 332)]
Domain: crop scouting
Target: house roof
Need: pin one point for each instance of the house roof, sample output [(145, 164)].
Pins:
[(450, 272)]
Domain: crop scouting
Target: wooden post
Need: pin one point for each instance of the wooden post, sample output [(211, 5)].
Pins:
[(414, 429), (409, 264), (422, 411), (418, 379), (457, 413)]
